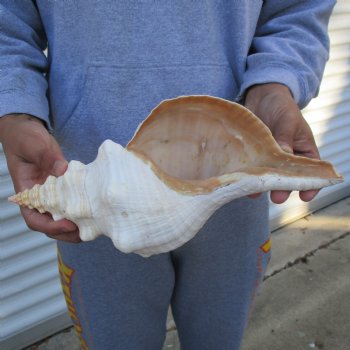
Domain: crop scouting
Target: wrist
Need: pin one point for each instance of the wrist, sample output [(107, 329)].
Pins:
[(259, 92)]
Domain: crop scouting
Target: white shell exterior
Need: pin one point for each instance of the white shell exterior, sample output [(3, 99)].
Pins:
[(120, 196)]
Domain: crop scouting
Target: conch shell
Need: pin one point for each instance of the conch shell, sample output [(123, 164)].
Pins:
[(190, 156)]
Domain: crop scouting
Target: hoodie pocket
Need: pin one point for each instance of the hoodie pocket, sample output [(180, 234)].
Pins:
[(114, 100)]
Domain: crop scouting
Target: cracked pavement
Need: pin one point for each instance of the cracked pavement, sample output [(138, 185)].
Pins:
[(305, 258), (304, 302)]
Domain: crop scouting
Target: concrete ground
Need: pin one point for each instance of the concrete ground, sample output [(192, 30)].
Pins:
[(305, 300)]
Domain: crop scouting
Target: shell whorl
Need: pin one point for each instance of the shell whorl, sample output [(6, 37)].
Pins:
[(28, 198), (63, 197)]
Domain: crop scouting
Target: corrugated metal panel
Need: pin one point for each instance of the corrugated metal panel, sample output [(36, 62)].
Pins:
[(329, 117), (31, 301)]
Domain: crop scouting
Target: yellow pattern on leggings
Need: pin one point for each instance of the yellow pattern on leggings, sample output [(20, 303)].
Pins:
[(66, 275)]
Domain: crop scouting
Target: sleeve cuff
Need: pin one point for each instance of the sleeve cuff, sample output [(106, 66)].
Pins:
[(16, 102), (274, 74)]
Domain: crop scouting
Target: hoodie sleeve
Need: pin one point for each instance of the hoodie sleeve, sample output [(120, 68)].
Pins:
[(290, 47), (22, 62)]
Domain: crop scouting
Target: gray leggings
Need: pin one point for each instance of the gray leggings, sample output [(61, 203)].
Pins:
[(119, 301)]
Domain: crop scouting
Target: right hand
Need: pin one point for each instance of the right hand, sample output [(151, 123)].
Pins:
[(274, 105), (32, 155)]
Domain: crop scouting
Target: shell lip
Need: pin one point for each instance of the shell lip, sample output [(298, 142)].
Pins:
[(185, 98), (208, 185)]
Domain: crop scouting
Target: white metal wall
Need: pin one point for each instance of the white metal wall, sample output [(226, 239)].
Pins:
[(31, 303), (329, 117)]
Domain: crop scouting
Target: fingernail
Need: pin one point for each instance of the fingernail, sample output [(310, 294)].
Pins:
[(59, 167), (286, 148)]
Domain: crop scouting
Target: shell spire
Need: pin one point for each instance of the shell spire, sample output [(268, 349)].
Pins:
[(192, 155), (29, 198)]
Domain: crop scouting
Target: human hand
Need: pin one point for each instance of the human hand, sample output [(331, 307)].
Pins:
[(32, 155), (274, 105)]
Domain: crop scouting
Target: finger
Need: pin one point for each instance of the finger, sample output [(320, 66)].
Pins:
[(53, 160), (310, 151), (59, 164), (284, 136), (279, 197), (59, 167), (307, 196), (283, 120), (40, 148), (29, 167), (44, 223), (285, 146), (71, 237)]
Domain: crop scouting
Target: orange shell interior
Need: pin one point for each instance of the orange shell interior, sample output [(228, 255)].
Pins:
[(198, 143)]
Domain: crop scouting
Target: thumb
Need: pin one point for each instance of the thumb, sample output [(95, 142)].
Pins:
[(59, 167), (286, 147), (284, 136), (53, 160)]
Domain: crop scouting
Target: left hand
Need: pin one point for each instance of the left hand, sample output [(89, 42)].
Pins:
[(32, 155), (274, 105)]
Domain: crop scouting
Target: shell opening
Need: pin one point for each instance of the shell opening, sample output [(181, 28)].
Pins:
[(199, 139)]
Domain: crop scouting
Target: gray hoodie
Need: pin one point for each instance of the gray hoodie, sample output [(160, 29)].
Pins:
[(110, 62)]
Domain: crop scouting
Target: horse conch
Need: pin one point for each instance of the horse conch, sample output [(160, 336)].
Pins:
[(189, 157)]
